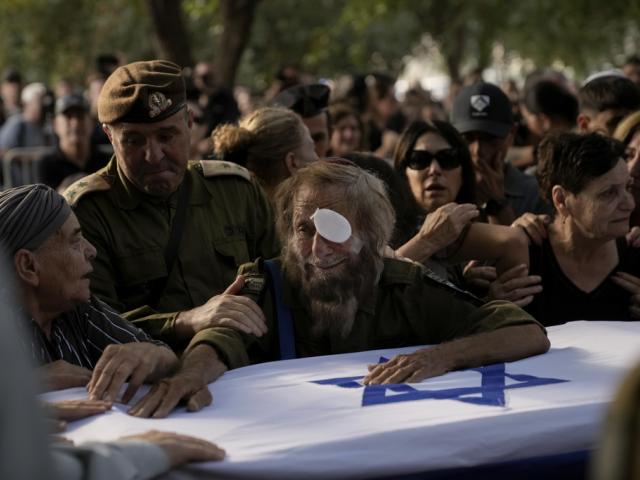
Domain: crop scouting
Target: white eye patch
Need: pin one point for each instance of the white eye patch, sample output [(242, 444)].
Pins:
[(331, 225)]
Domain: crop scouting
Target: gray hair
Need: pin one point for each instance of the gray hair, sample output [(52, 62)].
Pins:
[(362, 191)]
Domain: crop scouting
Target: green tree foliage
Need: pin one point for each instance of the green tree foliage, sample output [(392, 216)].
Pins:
[(50, 39), (53, 39)]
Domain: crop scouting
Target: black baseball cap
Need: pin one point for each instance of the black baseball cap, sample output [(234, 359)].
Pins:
[(66, 103), (482, 107), (306, 100)]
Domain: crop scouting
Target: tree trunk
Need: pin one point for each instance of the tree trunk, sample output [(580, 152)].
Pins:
[(237, 19), (453, 54), (172, 39)]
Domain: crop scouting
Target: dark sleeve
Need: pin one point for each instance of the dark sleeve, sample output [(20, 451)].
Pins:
[(233, 347), (267, 244), (105, 327), (230, 345), (439, 312)]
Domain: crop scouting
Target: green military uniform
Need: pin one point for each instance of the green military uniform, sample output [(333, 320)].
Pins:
[(229, 222), (409, 307)]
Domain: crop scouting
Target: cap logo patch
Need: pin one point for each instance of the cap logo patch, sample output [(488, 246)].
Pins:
[(480, 102), (158, 103)]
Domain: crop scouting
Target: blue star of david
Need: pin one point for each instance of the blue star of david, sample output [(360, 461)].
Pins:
[(490, 392)]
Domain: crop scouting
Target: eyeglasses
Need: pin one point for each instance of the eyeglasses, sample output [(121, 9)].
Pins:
[(448, 159)]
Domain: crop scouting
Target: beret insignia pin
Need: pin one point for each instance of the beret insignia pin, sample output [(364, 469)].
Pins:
[(158, 103)]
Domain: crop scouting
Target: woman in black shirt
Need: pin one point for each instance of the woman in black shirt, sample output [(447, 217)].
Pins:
[(587, 270)]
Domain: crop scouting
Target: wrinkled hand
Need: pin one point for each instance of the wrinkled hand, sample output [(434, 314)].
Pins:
[(65, 411), (135, 361), (535, 226), (225, 310), (70, 410), (479, 275), (181, 449), (633, 237), (60, 375), (443, 226), (516, 286), (168, 393), (631, 284), (411, 367)]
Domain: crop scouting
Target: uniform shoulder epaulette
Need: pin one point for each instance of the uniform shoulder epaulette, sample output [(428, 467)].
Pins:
[(215, 168), (437, 281), (88, 184)]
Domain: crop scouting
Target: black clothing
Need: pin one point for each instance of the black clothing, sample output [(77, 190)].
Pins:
[(55, 167), (561, 301), (221, 108)]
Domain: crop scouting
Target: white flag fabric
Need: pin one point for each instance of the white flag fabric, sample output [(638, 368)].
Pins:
[(313, 418)]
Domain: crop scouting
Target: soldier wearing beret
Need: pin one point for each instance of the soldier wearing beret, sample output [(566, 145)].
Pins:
[(170, 233)]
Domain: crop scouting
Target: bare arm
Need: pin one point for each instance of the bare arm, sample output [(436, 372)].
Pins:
[(503, 345), (506, 246), (440, 229)]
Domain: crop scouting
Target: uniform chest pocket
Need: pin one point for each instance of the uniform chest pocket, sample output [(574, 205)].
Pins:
[(141, 267), (232, 251)]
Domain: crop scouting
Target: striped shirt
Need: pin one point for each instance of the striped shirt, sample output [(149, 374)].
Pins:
[(79, 336)]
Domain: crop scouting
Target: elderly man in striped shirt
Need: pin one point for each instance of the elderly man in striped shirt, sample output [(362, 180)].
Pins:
[(76, 338)]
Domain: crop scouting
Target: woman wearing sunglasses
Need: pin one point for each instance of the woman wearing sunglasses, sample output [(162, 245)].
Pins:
[(433, 159)]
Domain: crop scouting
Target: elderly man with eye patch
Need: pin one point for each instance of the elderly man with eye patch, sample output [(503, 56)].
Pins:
[(332, 291), (76, 338)]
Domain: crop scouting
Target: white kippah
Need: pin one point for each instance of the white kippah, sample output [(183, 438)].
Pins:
[(613, 72)]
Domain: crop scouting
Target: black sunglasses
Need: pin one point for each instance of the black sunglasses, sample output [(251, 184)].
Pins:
[(448, 159)]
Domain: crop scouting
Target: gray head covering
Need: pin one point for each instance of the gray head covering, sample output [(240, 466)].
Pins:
[(29, 215)]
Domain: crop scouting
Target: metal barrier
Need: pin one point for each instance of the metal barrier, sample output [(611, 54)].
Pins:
[(20, 166)]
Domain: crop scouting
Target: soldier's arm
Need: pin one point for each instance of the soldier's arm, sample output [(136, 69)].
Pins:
[(468, 332), (503, 345)]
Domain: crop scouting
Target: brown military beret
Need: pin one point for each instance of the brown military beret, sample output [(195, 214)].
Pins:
[(142, 92)]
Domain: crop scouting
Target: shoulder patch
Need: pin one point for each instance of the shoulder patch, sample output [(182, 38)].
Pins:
[(438, 281), (215, 168), (255, 280), (90, 183)]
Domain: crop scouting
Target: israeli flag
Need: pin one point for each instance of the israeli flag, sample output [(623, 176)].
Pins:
[(312, 418)]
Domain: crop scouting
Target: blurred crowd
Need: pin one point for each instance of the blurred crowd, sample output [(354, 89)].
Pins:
[(476, 220)]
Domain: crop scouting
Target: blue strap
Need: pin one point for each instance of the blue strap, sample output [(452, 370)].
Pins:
[(283, 313)]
